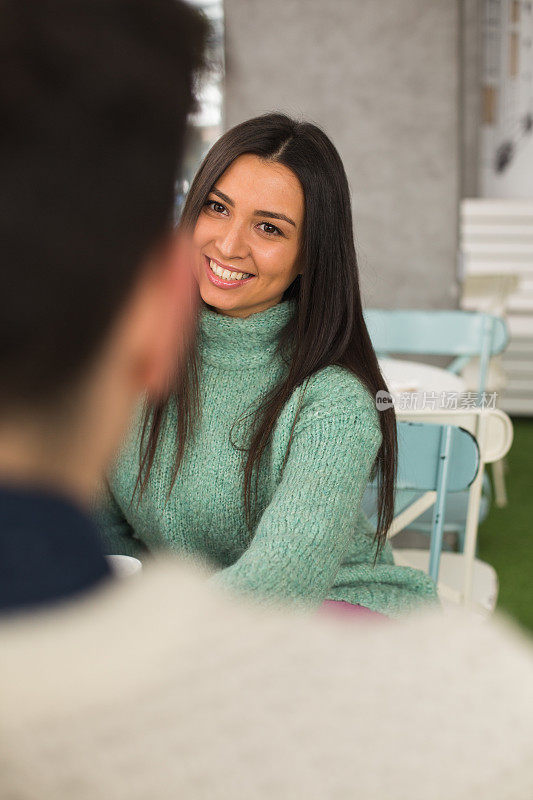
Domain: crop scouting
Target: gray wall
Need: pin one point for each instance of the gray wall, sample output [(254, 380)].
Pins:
[(382, 78), (471, 80)]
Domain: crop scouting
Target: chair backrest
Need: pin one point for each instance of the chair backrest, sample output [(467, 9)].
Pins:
[(463, 334), (435, 458), (491, 427), (420, 452), (488, 292), (496, 236)]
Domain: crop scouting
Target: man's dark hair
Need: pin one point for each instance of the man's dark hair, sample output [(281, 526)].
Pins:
[(94, 96)]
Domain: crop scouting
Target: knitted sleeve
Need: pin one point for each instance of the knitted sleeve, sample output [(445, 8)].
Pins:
[(115, 531), (305, 530)]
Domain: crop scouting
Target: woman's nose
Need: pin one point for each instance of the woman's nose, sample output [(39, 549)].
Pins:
[(232, 242)]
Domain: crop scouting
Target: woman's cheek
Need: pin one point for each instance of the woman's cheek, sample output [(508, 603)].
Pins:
[(271, 264)]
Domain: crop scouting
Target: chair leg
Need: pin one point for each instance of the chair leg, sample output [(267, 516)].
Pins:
[(461, 542), (498, 477), (471, 526)]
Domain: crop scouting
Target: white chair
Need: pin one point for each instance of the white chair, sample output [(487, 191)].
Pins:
[(489, 292), (463, 579), (496, 238)]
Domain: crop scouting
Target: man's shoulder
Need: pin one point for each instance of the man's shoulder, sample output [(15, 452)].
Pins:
[(198, 692)]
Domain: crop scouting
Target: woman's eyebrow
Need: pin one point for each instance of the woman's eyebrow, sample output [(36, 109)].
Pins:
[(258, 213), (223, 196), (273, 215)]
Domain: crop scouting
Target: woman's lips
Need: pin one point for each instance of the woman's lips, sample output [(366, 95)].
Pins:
[(221, 282)]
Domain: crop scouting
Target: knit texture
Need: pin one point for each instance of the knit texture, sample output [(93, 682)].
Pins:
[(309, 540), (161, 688)]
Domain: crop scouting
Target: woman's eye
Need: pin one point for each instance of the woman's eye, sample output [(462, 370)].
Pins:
[(270, 229), (215, 206)]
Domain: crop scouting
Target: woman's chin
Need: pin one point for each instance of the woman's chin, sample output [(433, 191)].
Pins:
[(217, 299)]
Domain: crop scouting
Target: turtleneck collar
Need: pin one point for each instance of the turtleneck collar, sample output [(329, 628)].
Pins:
[(235, 343)]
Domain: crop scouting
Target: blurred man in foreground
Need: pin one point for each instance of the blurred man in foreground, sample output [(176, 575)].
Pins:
[(158, 687), (94, 98)]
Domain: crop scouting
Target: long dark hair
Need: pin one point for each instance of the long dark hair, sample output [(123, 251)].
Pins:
[(328, 327)]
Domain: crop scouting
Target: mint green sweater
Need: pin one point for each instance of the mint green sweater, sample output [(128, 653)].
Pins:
[(311, 539)]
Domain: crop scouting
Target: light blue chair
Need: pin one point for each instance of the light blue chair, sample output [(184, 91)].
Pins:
[(462, 335), (455, 513), (433, 460)]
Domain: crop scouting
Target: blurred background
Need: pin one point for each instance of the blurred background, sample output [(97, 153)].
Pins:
[(430, 104)]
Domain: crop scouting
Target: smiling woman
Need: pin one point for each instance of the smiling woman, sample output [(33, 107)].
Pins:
[(235, 237), (278, 390)]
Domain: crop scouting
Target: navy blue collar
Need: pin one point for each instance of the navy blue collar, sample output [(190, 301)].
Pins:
[(49, 549)]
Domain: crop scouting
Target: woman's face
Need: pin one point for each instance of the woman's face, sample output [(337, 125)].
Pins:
[(251, 223)]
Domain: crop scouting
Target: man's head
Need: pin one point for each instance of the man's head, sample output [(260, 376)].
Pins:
[(94, 96)]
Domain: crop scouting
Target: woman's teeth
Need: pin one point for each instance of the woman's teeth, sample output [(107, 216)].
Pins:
[(226, 274)]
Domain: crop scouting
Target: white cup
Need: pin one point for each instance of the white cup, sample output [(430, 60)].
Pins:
[(124, 566)]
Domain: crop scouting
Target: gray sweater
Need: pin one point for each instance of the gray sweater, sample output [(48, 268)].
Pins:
[(159, 687)]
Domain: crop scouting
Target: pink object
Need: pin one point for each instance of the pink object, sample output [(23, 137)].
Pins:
[(340, 608)]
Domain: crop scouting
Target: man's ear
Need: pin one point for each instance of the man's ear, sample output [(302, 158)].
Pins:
[(166, 306)]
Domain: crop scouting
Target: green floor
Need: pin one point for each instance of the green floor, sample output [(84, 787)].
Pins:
[(506, 536)]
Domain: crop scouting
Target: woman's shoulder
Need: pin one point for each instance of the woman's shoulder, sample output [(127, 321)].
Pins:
[(333, 394), (339, 390), (332, 409)]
